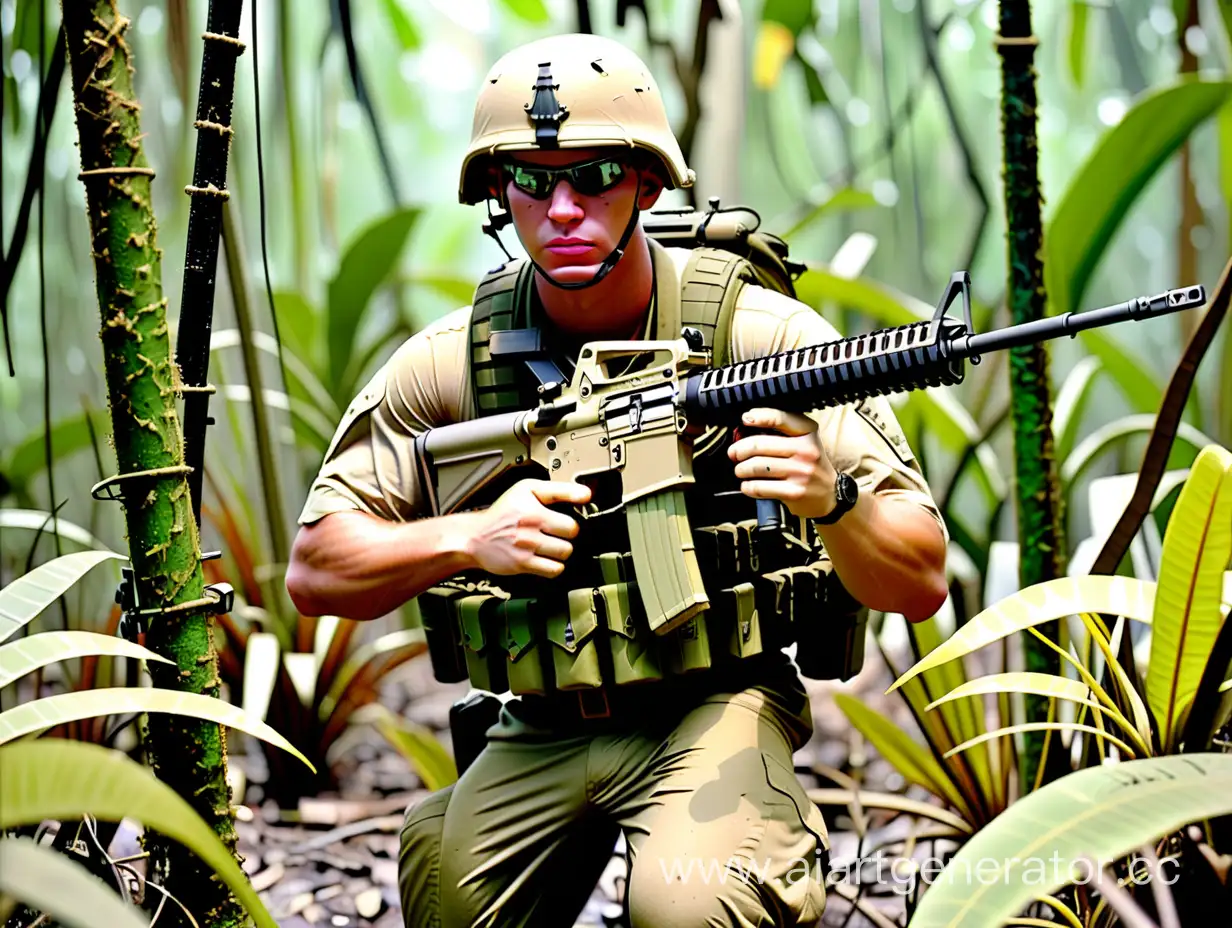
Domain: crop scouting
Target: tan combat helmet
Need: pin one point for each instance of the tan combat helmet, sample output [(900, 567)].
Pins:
[(569, 91)]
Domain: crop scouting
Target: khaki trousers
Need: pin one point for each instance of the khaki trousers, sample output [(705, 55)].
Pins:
[(719, 830)]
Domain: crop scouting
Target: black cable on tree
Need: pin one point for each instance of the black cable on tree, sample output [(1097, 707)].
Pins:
[(208, 190)]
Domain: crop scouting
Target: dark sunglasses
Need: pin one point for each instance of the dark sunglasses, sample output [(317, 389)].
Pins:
[(589, 178)]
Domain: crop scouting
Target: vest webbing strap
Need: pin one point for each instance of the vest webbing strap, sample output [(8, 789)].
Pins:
[(709, 286), (708, 296), (493, 310)]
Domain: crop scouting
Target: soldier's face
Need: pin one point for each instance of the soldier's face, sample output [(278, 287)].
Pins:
[(570, 207)]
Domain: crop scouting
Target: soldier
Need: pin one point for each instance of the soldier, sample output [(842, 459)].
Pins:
[(693, 764)]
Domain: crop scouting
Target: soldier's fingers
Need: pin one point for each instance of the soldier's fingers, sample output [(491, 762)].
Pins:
[(790, 423), (564, 491), (558, 524), (543, 567), (765, 468), (555, 548), (779, 446)]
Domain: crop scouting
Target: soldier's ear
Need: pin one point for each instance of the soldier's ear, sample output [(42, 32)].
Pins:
[(495, 187), (649, 189)]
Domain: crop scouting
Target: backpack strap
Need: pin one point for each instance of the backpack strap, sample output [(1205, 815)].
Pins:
[(494, 308), (710, 284)]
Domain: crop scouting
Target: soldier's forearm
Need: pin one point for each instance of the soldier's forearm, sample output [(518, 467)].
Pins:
[(890, 555), (360, 567)]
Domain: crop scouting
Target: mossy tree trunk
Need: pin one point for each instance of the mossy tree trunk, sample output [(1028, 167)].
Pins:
[(142, 385), (1041, 547)]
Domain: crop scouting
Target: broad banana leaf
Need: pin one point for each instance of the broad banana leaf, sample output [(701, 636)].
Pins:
[(1100, 812), (59, 779), (1197, 544), (31, 593), (50, 711), (25, 655), (50, 883), (1104, 189)]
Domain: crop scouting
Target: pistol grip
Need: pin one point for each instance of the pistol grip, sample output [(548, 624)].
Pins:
[(769, 513)]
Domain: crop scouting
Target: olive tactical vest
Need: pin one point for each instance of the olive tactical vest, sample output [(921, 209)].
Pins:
[(586, 628)]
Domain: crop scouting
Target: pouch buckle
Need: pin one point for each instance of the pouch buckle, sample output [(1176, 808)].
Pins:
[(583, 701)]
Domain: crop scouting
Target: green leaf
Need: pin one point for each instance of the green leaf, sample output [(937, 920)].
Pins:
[(31, 593), (894, 802), (846, 200), (1071, 403), (41, 714), (962, 721), (909, 758), (68, 436), (25, 655), (1041, 726), (402, 24), (421, 748), (261, 663), (1133, 377), (36, 520), (794, 15), (1105, 437), (58, 779), (1104, 189), (1103, 812), (407, 639), (531, 11), (1042, 602), (818, 286), (1078, 14), (299, 328), (1041, 684), (950, 422), (369, 259), (457, 290), (50, 883), (1197, 544)]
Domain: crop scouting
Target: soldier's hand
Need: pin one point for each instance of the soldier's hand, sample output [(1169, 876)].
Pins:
[(519, 534), (791, 466)]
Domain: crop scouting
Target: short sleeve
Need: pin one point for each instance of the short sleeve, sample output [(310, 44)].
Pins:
[(371, 465), (864, 439)]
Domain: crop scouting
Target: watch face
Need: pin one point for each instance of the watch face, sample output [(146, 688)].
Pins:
[(847, 488)]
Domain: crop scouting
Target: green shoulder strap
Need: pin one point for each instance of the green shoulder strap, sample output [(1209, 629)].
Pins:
[(495, 308)]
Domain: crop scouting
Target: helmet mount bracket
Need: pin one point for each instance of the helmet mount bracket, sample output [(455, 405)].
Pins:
[(544, 112)]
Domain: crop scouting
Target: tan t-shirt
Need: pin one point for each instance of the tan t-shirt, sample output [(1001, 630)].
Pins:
[(370, 465)]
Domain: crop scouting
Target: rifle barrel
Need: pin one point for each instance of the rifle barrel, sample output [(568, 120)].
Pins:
[(1029, 333)]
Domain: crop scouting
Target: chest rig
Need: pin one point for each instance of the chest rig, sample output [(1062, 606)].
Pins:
[(586, 630)]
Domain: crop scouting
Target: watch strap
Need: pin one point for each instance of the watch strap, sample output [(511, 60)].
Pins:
[(846, 492)]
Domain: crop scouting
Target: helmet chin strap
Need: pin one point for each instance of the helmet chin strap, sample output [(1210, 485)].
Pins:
[(495, 223), (604, 269)]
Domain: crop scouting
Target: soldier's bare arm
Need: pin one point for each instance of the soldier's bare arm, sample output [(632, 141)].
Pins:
[(361, 566)]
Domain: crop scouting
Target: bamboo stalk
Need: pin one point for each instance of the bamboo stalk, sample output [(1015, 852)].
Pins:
[(1041, 544), (188, 754)]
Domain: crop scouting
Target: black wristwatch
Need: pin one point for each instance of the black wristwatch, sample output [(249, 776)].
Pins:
[(846, 492)]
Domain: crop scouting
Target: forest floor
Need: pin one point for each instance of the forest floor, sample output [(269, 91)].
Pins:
[(334, 861)]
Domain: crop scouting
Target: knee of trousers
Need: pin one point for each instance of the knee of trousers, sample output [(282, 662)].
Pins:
[(419, 860)]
